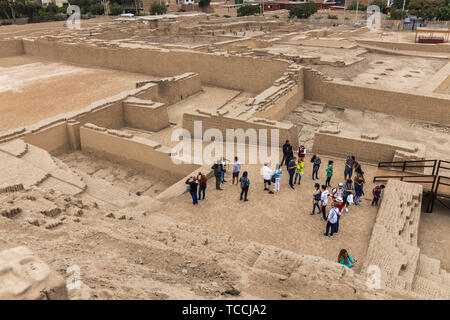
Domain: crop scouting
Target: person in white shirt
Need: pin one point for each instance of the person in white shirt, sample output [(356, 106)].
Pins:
[(267, 175), (324, 201), (331, 220)]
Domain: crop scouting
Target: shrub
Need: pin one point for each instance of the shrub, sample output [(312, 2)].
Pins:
[(203, 3), (115, 9), (96, 8), (157, 8), (333, 17), (247, 10), (226, 16), (396, 14), (303, 11), (275, 16)]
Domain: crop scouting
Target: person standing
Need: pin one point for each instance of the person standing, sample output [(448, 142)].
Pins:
[(266, 172), (301, 152), (324, 201), (316, 165), (348, 171), (359, 187), (299, 170), (286, 146), (245, 184), (217, 167), (202, 180), (349, 191), (339, 205), (316, 198), (377, 194), (224, 169), (291, 170), (345, 259), (329, 173), (192, 188), (289, 156), (331, 221), (236, 170), (277, 175)]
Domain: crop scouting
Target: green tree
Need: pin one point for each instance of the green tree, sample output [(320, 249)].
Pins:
[(381, 4), (115, 9), (96, 8), (157, 8), (247, 10), (398, 4), (426, 9), (303, 11)]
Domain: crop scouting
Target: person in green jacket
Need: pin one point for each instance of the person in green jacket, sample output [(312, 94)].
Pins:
[(299, 165), (345, 259), (329, 173)]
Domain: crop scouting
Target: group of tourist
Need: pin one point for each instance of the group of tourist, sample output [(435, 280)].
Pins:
[(339, 199)]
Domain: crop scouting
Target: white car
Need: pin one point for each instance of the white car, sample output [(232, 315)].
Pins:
[(127, 15)]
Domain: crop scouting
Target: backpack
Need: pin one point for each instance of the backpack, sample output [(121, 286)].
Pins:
[(376, 191), (312, 159), (243, 183)]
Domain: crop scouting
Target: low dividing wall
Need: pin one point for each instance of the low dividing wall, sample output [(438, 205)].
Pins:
[(430, 108), (346, 142), (233, 72), (61, 133), (10, 48), (407, 46), (131, 150), (287, 131)]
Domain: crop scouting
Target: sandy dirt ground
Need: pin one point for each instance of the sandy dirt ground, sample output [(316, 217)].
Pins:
[(387, 71), (282, 219), (433, 231), (33, 89)]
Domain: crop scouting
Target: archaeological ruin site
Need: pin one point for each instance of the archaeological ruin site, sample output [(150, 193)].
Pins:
[(93, 206)]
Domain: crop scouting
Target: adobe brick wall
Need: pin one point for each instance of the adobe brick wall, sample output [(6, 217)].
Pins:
[(233, 72), (287, 131), (10, 48), (129, 149), (346, 142), (430, 108), (145, 114)]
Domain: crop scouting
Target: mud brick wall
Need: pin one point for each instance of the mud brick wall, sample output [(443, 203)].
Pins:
[(345, 143), (287, 131), (10, 48), (240, 73), (430, 108), (132, 150), (151, 117)]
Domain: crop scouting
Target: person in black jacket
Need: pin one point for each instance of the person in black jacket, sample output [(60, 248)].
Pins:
[(217, 167), (193, 183), (286, 146)]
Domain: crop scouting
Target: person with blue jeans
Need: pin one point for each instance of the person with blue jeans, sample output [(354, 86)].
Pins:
[(316, 165), (345, 259), (291, 170), (193, 183), (236, 170), (331, 220), (277, 175), (245, 184), (317, 196), (202, 180), (348, 171), (224, 169)]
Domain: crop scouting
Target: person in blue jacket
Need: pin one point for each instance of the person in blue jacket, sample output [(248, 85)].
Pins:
[(345, 259)]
